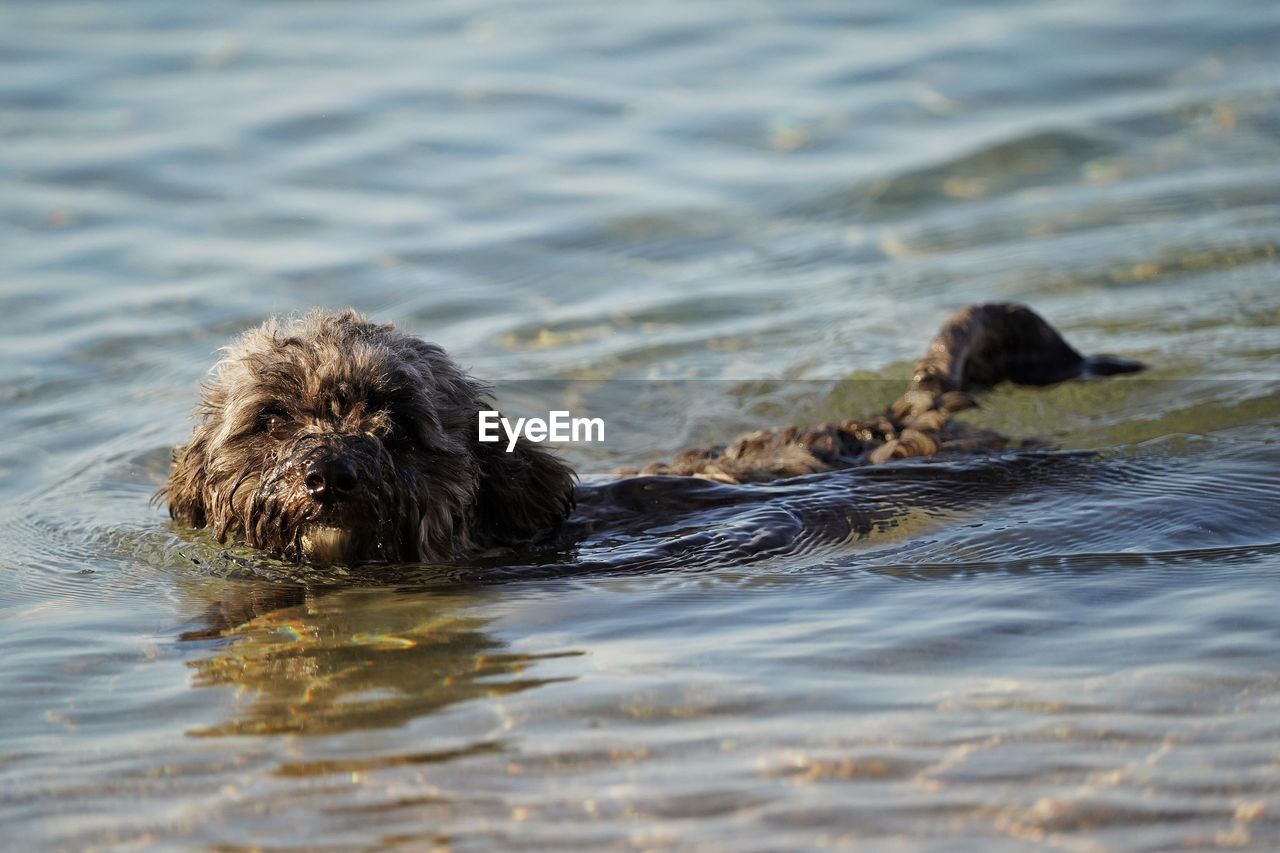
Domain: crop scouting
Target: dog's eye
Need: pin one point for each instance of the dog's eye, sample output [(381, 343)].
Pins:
[(398, 431), (394, 431), (270, 420)]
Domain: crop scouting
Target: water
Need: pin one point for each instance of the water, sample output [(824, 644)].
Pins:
[(758, 200)]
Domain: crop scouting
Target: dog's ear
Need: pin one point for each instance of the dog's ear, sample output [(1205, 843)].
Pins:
[(522, 494), (184, 493)]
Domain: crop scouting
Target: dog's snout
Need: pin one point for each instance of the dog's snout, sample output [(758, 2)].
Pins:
[(330, 479)]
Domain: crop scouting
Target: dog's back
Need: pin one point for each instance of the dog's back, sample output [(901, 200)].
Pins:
[(978, 347)]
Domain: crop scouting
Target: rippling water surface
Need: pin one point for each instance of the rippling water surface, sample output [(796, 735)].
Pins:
[(774, 204)]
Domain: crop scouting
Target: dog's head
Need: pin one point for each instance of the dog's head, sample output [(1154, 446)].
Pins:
[(328, 438)]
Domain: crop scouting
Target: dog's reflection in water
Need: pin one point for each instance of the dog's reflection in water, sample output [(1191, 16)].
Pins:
[(308, 662)]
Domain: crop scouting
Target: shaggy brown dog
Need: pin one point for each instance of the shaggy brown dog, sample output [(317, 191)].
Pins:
[(331, 439)]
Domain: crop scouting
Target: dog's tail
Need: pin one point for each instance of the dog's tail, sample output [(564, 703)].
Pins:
[(983, 345), (977, 348)]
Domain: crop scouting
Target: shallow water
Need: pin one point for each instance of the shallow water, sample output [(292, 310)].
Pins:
[(774, 205)]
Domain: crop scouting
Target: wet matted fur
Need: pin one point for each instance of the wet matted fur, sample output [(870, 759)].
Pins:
[(329, 438)]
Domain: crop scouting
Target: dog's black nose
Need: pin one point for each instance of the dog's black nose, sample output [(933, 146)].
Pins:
[(330, 479)]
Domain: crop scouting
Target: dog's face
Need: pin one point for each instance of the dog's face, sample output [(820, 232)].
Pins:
[(332, 439)]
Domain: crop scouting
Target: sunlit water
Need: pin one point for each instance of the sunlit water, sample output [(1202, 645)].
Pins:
[(1077, 650)]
